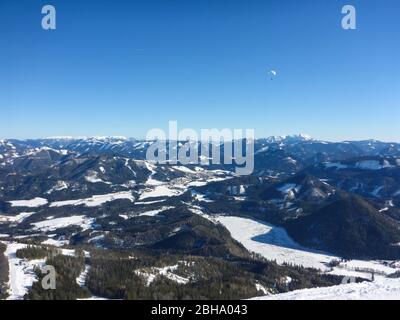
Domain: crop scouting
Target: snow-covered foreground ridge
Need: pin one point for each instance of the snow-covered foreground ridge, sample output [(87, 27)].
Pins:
[(273, 243), (382, 289)]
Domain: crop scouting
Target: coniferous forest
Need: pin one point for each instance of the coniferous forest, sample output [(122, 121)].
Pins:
[(126, 275)]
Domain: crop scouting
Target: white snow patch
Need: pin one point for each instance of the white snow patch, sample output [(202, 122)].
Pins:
[(261, 288), (168, 272), (289, 187), (160, 191), (263, 149), (184, 169), (95, 200), (153, 213), (93, 178), (81, 279), (60, 185), (200, 197), (149, 202), (33, 203), (68, 252), (97, 238), (55, 243), (16, 219), (197, 183), (58, 223), (93, 298)]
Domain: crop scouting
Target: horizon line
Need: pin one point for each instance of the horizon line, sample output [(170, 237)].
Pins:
[(127, 138)]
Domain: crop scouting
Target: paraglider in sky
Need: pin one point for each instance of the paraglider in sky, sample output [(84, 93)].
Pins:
[(273, 74)]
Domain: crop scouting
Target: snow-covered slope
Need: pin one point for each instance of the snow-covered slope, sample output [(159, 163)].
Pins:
[(273, 243), (21, 272)]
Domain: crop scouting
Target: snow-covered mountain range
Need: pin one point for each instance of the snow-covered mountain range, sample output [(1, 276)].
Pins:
[(98, 205)]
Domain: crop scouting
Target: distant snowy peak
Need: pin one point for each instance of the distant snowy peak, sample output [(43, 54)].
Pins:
[(89, 138), (290, 138), (272, 139)]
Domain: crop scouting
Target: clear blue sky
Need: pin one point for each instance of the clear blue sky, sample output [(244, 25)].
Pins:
[(124, 67)]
